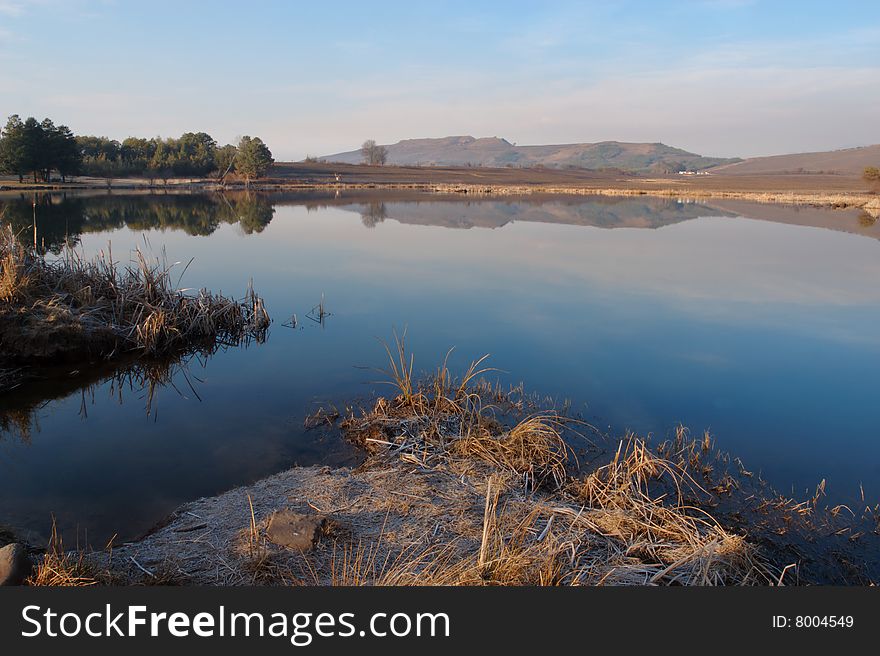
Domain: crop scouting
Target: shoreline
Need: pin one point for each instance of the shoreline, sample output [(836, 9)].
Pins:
[(824, 199)]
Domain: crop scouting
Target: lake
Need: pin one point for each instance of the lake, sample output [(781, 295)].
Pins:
[(756, 322)]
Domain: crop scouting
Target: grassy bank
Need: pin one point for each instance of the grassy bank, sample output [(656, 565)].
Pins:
[(464, 483), (818, 190), (72, 309), (818, 199), (842, 200)]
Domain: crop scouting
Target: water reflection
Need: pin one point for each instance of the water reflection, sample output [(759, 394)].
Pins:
[(131, 379), (373, 214), (63, 218), (752, 321)]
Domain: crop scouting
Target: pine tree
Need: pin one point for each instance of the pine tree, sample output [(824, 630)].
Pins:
[(253, 159)]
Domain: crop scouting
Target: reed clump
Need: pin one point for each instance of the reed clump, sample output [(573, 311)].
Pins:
[(638, 519), (444, 419), (73, 308), (59, 567)]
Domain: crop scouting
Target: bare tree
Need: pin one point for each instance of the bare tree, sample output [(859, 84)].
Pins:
[(373, 153)]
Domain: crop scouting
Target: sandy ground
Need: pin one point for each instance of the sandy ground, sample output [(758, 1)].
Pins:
[(389, 508)]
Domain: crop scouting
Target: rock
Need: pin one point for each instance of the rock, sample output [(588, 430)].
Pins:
[(294, 530), (15, 564)]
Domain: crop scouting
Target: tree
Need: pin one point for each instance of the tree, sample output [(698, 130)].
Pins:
[(224, 161), (57, 150), (38, 148), (33, 147), (99, 148), (13, 148), (254, 158), (374, 154), (136, 154), (162, 160), (65, 155), (195, 154), (871, 174)]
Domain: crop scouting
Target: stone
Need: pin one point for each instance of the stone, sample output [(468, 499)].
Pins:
[(15, 564), (294, 530)]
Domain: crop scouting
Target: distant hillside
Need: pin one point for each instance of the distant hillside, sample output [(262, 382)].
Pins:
[(849, 161), (495, 152)]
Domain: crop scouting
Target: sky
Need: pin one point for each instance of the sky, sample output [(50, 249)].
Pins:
[(717, 77)]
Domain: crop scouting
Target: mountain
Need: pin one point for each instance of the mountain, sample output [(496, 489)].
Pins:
[(849, 161), (495, 152)]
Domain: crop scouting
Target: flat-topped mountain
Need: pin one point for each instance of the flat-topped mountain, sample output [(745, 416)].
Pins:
[(496, 152)]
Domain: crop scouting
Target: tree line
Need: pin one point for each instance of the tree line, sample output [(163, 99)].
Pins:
[(38, 148), (34, 148)]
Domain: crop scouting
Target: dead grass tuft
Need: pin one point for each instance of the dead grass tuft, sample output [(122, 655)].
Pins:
[(638, 500), (73, 308), (62, 568), (634, 520), (532, 450)]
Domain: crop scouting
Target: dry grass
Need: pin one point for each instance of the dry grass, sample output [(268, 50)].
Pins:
[(73, 308), (451, 495), (624, 536), (778, 190), (62, 568), (442, 393), (833, 200), (532, 450), (444, 419), (630, 521), (638, 499), (78, 567)]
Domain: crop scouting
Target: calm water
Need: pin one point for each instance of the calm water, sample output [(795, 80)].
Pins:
[(757, 323)]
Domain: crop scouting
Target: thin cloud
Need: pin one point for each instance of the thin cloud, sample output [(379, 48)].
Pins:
[(11, 8)]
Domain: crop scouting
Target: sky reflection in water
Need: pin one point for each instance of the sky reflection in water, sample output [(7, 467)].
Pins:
[(646, 313)]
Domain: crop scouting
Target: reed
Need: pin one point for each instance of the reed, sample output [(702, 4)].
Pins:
[(544, 521), (63, 568), (71, 307), (533, 450)]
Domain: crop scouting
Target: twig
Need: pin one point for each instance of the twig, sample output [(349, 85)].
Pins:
[(141, 567)]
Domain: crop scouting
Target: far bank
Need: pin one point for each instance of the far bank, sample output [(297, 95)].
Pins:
[(817, 190)]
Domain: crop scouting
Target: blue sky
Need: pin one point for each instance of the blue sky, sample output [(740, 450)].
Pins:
[(723, 77)]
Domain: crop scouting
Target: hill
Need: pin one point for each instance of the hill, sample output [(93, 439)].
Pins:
[(849, 161), (494, 152)]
